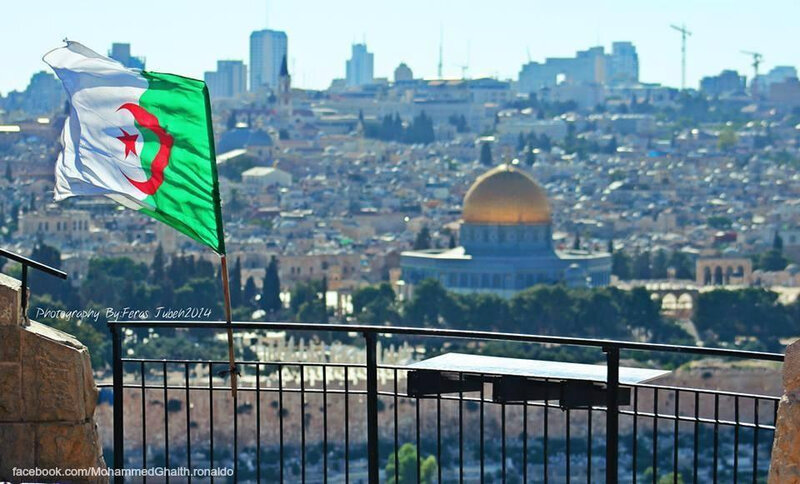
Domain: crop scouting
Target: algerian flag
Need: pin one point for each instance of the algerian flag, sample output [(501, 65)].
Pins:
[(141, 138)]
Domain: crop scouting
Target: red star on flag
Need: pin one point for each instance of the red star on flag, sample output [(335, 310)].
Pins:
[(130, 142)]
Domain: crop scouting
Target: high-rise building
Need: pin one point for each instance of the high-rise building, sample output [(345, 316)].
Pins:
[(228, 81), (403, 73), (268, 48), (122, 54), (359, 67), (622, 65)]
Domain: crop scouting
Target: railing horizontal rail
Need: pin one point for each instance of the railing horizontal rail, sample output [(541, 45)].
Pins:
[(455, 333), (32, 263)]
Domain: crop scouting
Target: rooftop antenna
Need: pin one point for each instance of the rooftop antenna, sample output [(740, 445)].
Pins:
[(684, 33), (528, 52), (266, 14), (757, 59), (441, 41)]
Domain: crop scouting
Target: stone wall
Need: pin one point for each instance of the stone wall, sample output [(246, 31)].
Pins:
[(785, 463), (47, 394)]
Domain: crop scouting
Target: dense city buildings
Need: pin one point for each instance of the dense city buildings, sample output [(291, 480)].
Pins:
[(268, 48), (727, 82), (593, 65)]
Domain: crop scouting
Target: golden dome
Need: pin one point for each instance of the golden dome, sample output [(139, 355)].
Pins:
[(505, 195)]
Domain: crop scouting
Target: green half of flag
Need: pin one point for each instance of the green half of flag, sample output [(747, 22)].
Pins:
[(187, 197)]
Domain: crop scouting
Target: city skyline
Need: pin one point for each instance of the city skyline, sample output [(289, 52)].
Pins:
[(478, 36)]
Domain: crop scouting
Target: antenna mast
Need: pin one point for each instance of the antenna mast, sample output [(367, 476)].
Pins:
[(441, 41)]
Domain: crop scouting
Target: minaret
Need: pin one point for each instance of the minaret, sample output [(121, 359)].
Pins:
[(285, 89)]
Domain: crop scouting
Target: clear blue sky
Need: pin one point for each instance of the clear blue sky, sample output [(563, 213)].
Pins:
[(187, 37)]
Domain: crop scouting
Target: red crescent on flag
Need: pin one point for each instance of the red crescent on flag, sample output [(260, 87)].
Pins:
[(145, 119)]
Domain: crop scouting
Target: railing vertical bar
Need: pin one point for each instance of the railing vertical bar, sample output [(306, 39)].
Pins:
[(503, 442), (696, 436), (188, 422), (612, 413), (635, 473), (119, 425), (211, 417), (675, 441), (546, 435), (346, 424), (439, 436), (302, 424), (736, 440), (258, 422), (235, 433), (716, 434), (166, 421), (396, 433), (24, 295), (655, 435), (417, 441), (755, 440), (568, 443), (281, 445), (373, 450), (482, 444), (324, 424), (525, 441), (460, 433), (144, 419), (589, 445)]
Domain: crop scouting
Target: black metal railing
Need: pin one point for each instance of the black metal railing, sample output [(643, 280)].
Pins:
[(26, 262), (315, 421)]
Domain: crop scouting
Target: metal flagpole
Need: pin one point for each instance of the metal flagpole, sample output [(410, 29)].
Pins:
[(232, 370)]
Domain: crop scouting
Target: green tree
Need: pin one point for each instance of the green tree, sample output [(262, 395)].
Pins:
[(486, 154), (660, 263), (621, 265), (777, 242), (682, 264), (430, 305), (375, 304), (772, 260), (423, 240), (727, 139), (236, 284), (271, 288), (308, 302), (641, 265), (157, 266), (250, 292), (406, 467), (530, 156)]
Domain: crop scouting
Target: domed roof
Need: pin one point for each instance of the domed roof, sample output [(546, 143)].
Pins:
[(505, 195)]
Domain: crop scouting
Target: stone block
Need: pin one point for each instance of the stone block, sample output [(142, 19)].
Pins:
[(21, 453), (53, 372), (10, 393), (10, 301), (791, 368), (785, 462), (68, 445), (9, 344)]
